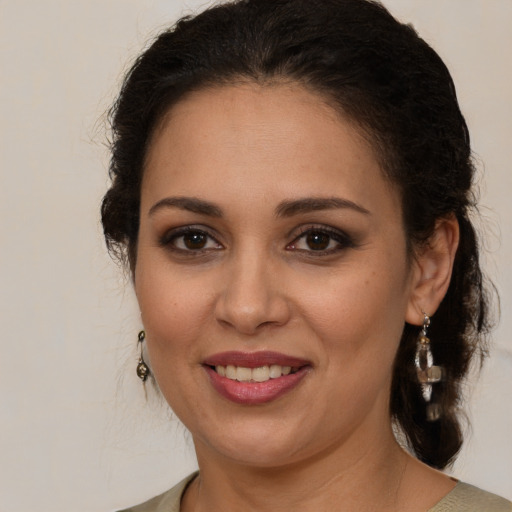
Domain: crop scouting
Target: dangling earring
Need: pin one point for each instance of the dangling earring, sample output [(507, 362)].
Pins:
[(427, 372), (142, 367)]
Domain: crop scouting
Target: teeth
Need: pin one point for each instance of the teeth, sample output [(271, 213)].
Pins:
[(243, 374), (260, 374), (231, 372), (275, 371)]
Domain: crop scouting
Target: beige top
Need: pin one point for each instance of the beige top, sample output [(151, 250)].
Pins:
[(463, 498)]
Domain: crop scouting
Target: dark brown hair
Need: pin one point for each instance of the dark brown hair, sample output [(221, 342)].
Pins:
[(381, 75)]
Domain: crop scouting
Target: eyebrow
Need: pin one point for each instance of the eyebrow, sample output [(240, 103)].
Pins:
[(284, 209), (311, 204), (191, 204)]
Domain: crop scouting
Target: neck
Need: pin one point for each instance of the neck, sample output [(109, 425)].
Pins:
[(361, 476)]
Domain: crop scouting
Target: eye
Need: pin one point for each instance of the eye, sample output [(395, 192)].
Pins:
[(317, 241), (190, 240), (321, 240)]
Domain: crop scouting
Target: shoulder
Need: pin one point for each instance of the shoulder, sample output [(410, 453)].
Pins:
[(168, 501), (467, 498)]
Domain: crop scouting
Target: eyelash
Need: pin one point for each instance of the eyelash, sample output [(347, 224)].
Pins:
[(169, 240), (343, 241)]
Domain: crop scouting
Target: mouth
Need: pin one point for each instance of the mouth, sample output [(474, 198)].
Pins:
[(255, 378), (259, 374)]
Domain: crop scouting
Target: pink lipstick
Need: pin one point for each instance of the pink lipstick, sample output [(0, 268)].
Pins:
[(252, 378)]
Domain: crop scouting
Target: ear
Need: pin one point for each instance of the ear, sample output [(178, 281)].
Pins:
[(432, 270)]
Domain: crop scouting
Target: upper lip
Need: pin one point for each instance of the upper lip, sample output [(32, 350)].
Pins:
[(254, 359)]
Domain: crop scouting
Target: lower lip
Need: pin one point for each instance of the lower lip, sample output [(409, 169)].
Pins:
[(253, 393)]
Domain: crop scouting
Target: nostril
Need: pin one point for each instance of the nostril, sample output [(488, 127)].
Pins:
[(251, 301)]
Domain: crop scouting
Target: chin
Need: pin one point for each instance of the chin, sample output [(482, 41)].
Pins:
[(260, 447)]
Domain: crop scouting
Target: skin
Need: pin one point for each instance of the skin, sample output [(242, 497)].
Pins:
[(257, 283)]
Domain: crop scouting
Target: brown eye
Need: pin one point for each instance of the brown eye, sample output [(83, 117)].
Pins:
[(318, 241), (195, 240), (322, 241), (190, 240)]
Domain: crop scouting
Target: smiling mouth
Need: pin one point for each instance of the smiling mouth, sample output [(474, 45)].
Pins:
[(259, 374), (255, 378)]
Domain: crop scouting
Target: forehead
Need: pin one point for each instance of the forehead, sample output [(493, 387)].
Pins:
[(267, 140)]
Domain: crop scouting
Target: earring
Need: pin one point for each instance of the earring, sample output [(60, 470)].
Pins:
[(427, 372), (142, 367)]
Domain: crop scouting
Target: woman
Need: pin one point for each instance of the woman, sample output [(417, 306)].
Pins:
[(292, 189)]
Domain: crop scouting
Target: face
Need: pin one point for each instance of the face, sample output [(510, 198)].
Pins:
[(272, 274)]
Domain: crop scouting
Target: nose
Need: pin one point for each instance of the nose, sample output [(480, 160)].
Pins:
[(251, 295)]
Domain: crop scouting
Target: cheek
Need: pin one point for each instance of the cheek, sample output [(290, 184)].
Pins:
[(357, 301), (357, 324), (358, 313), (173, 309), (174, 317)]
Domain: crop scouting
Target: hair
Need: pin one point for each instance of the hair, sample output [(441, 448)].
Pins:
[(382, 76)]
